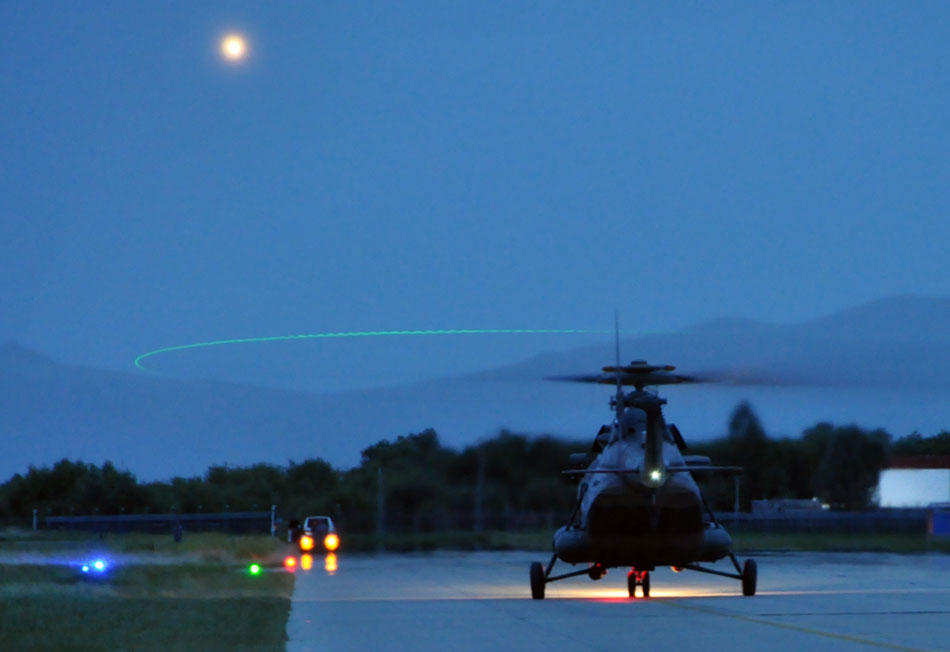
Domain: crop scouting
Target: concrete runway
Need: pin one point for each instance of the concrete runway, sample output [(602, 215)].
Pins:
[(481, 601)]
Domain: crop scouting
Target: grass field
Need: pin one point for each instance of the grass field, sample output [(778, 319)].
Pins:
[(209, 546), (196, 596)]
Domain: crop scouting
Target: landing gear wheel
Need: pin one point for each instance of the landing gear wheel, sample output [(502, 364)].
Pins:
[(749, 575), (641, 579), (596, 572), (537, 580)]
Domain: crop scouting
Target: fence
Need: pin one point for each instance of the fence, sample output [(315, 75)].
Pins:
[(881, 521)]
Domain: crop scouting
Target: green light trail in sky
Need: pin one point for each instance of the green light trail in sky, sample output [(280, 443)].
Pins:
[(320, 336)]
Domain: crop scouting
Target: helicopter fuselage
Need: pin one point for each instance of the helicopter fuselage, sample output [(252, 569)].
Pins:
[(638, 504), (638, 507)]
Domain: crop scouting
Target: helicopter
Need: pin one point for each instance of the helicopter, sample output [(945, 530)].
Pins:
[(638, 504)]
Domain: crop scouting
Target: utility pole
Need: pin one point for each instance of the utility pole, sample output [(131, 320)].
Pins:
[(735, 506), (380, 506), (479, 522)]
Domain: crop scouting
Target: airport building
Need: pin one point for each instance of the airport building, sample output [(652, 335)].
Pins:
[(915, 481)]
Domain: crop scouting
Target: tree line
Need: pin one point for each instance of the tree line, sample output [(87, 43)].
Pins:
[(427, 486)]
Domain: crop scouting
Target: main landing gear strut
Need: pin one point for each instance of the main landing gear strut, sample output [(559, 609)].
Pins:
[(540, 576), (747, 573)]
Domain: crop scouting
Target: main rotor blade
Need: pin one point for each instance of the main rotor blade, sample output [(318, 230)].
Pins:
[(631, 380), (638, 367), (668, 469), (660, 375), (755, 377)]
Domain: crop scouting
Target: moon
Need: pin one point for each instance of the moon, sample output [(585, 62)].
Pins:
[(234, 47)]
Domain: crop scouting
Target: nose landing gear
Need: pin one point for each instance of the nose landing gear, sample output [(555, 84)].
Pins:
[(637, 578)]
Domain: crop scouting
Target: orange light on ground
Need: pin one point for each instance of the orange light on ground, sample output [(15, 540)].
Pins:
[(290, 563), (306, 542), (330, 563), (306, 562), (331, 542)]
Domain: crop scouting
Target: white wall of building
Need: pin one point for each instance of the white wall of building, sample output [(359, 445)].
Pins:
[(913, 487)]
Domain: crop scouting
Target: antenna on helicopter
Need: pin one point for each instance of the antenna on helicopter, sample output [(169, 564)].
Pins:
[(618, 401)]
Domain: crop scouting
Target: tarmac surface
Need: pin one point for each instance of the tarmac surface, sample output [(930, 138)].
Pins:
[(482, 601)]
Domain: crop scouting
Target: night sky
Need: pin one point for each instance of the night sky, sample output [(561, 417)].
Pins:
[(372, 166)]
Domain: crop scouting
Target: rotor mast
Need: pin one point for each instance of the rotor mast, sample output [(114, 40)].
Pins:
[(640, 375)]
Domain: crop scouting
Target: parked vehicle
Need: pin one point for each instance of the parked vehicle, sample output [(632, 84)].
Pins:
[(319, 529)]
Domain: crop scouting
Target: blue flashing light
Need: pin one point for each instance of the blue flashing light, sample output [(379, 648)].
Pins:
[(95, 567)]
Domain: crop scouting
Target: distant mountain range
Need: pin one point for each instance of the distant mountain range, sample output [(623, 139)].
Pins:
[(882, 364)]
